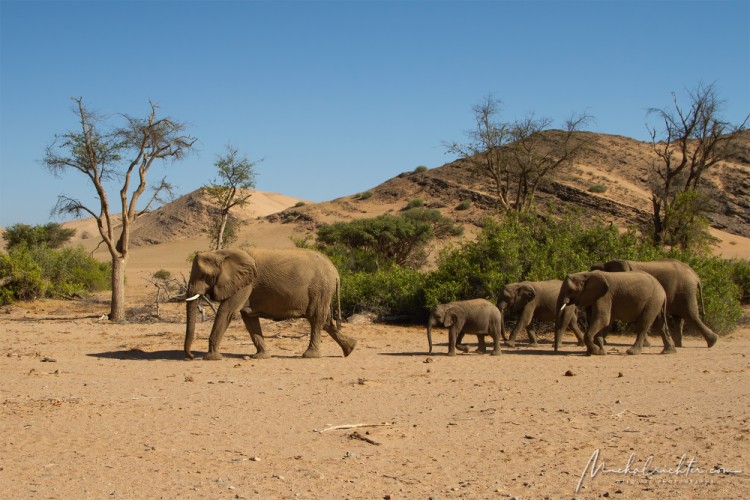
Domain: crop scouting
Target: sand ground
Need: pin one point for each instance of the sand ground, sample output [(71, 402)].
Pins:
[(95, 410)]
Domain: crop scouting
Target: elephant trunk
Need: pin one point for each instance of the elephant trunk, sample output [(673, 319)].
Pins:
[(429, 333), (192, 311), (559, 325)]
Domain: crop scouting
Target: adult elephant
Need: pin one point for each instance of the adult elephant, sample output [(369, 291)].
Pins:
[(265, 283), (536, 300), (478, 316), (682, 286), (634, 297)]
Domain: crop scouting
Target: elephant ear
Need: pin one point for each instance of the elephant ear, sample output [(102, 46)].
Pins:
[(450, 317), (237, 270), (526, 293), (594, 287)]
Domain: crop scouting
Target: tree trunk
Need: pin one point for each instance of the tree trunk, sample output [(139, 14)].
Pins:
[(222, 228), (117, 308)]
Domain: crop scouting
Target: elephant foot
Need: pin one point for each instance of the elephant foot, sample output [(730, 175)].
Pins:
[(348, 347), (511, 343), (496, 353), (261, 355), (678, 343), (213, 356), (634, 350), (533, 344), (596, 351), (669, 350), (711, 341), (311, 353), (451, 353), (189, 356), (462, 348), (646, 343)]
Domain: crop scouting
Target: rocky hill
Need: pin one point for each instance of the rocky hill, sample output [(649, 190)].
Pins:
[(619, 164)]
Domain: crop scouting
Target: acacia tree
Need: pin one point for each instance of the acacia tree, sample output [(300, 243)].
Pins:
[(517, 156), (691, 140), (484, 151), (125, 154), (236, 176), (536, 151)]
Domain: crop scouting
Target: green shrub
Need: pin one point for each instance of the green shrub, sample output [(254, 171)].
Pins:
[(299, 204), (31, 273), (597, 188), (364, 195), (415, 203), (394, 291), (741, 276), (464, 205), (52, 235), (420, 169), (162, 274)]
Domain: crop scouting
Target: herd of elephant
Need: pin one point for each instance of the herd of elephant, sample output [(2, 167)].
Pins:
[(299, 283)]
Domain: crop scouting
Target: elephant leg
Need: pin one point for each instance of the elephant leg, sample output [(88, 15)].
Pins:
[(460, 343), (252, 323), (223, 317), (313, 350), (597, 328), (677, 337), (452, 335), (663, 326), (577, 331), (532, 337), (346, 342), (496, 344), (482, 345), (707, 333)]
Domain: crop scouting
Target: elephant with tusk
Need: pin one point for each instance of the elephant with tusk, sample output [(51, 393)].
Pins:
[(266, 283)]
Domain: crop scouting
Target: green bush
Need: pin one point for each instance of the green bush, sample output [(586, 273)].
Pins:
[(415, 203), (420, 169), (394, 291), (52, 235), (741, 276), (364, 195), (386, 239), (299, 204), (597, 188), (30, 273), (464, 205)]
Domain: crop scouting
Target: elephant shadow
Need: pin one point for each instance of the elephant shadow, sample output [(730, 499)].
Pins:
[(137, 354)]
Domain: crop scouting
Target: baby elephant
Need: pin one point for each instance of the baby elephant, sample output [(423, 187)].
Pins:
[(478, 316)]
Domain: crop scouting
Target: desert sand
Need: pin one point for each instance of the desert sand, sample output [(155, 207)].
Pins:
[(92, 409)]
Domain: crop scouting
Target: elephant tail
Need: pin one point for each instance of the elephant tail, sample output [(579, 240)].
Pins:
[(700, 292)]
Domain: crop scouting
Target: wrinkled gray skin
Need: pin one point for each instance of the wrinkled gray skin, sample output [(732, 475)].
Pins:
[(634, 297), (682, 286), (276, 284), (536, 300), (478, 316)]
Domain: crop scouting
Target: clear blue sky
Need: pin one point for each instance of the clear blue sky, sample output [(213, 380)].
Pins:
[(337, 97)]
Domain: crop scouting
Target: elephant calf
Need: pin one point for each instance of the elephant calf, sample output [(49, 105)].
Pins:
[(478, 316)]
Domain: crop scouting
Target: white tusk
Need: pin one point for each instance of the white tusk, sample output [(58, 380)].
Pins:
[(193, 297), (563, 306)]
